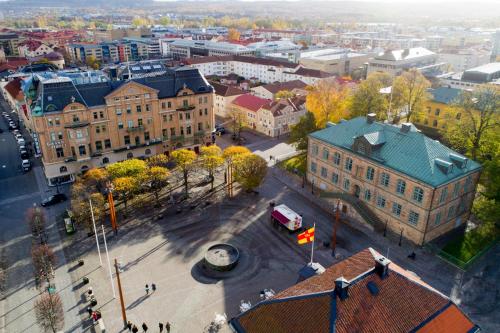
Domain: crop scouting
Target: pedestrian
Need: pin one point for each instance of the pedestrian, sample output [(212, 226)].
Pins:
[(153, 286), (94, 316), (161, 327), (167, 327), (147, 289), (129, 326), (135, 329), (144, 327), (89, 310)]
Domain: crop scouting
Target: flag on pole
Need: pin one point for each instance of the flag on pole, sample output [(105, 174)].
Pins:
[(306, 237)]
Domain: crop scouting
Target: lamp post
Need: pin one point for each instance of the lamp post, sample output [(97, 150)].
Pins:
[(109, 263), (95, 231), (335, 225), (385, 228), (400, 237)]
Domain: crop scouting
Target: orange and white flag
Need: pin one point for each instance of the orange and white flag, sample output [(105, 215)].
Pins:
[(306, 237)]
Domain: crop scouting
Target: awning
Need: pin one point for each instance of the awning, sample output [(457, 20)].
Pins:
[(279, 217)]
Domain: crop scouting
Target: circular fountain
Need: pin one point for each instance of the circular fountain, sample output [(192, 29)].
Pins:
[(222, 257)]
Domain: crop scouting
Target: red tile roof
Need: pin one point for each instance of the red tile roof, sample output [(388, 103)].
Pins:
[(277, 107), (250, 102), (31, 45), (14, 88), (289, 86), (402, 304), (225, 90)]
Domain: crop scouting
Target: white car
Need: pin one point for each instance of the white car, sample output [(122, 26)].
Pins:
[(22, 147), (21, 142), (18, 136), (26, 165)]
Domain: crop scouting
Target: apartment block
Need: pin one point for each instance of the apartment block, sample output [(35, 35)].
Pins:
[(395, 62), (81, 126), (414, 185)]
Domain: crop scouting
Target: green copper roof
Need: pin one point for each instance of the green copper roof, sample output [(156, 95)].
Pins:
[(410, 152)]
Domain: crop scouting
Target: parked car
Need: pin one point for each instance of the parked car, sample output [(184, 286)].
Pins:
[(219, 129), (26, 165), (22, 147), (54, 199), (18, 136), (24, 155), (21, 142)]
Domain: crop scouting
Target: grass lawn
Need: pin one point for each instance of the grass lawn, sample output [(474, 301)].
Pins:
[(470, 244), (295, 163)]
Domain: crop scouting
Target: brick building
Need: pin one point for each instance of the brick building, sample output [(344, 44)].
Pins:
[(81, 126), (413, 184)]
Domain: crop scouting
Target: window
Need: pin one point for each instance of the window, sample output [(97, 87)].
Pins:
[(169, 104), (75, 119), (361, 148), (59, 152), (206, 112), (451, 212), (200, 100), (370, 173), (129, 109), (348, 163), (137, 140), (180, 116), (434, 123), (58, 121), (324, 172), (138, 108), (126, 138), (396, 209), (105, 160), (438, 111), (98, 129), (205, 99), (82, 150), (60, 135), (384, 179), (95, 115), (456, 189), (335, 178), (188, 130), (170, 117), (200, 126), (325, 153), (146, 95), (444, 194), (101, 114), (437, 220), (139, 122), (103, 128), (146, 136), (164, 133), (313, 167), (185, 103), (147, 151), (172, 131), (63, 169), (49, 121), (98, 145), (201, 112), (52, 136), (107, 143), (315, 150), (148, 108), (380, 201), (188, 116), (368, 195), (120, 125), (413, 217), (347, 184), (163, 105), (401, 186), (336, 158), (418, 194), (165, 118), (130, 123), (79, 134)]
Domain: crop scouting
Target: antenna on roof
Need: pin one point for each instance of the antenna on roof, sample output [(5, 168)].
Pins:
[(128, 67)]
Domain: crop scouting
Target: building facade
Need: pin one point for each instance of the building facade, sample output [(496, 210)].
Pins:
[(439, 110), (90, 125), (224, 96), (395, 62), (413, 184), (277, 117)]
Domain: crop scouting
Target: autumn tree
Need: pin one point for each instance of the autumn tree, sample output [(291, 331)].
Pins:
[(160, 160), (36, 220), (80, 207), (231, 152), (409, 93), (284, 94), (96, 178), (327, 100), (156, 178), (128, 168), (184, 160), (366, 97), (49, 312), (233, 34), (300, 131), (92, 62), (238, 120), (125, 187), (211, 160), (249, 170), (44, 261), (479, 118)]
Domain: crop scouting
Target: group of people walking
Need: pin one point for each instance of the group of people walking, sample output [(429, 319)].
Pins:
[(133, 328)]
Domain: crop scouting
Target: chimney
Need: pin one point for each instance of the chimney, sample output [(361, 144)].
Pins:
[(382, 266), (405, 127), (370, 118), (341, 288)]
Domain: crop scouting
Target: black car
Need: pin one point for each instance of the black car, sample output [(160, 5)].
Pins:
[(24, 155), (54, 199)]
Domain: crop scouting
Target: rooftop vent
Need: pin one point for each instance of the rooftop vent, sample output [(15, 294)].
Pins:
[(405, 127), (373, 288), (458, 160), (370, 118), (445, 166), (342, 288), (330, 124), (382, 266)]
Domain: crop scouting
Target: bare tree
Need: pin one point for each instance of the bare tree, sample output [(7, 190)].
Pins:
[(49, 312), (44, 261), (36, 220)]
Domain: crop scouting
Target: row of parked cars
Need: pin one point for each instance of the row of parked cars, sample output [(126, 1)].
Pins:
[(21, 142)]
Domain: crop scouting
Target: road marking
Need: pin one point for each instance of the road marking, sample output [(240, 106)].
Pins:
[(21, 197)]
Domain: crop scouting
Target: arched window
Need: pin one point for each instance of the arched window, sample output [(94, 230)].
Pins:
[(63, 169), (147, 151), (401, 186), (130, 155), (105, 160), (84, 168)]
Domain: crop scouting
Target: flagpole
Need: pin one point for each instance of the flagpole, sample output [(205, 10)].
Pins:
[(312, 244)]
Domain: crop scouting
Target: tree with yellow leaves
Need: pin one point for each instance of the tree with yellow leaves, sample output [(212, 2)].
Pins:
[(249, 170), (155, 178), (367, 98), (125, 187), (211, 160), (184, 160), (410, 92), (233, 34), (328, 101)]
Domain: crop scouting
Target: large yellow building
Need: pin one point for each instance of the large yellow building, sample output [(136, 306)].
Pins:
[(90, 125), (439, 109), (394, 176)]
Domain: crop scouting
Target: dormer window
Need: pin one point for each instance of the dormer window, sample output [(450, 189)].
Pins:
[(361, 148)]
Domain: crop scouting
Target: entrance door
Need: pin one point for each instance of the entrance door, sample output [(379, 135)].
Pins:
[(357, 190)]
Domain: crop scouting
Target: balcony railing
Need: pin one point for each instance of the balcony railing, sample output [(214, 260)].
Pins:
[(70, 159), (199, 134), (77, 124), (186, 108), (177, 138), (139, 128)]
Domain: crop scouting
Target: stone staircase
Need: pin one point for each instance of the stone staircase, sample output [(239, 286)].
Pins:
[(363, 210)]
